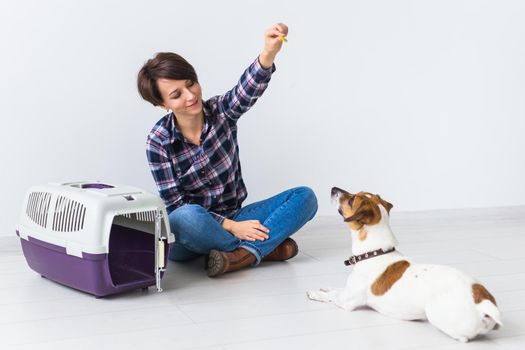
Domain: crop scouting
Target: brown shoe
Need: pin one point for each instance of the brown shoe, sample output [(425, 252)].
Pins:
[(221, 262), (284, 251)]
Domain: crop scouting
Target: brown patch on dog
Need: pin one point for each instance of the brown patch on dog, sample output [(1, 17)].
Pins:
[(479, 293), (362, 234), (390, 276)]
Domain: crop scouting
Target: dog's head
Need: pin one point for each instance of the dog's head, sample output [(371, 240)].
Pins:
[(359, 209)]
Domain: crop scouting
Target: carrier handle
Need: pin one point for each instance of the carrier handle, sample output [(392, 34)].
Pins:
[(96, 185)]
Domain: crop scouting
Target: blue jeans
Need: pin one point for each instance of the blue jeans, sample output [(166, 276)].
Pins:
[(197, 232)]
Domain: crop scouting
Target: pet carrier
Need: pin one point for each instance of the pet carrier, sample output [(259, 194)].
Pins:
[(99, 238)]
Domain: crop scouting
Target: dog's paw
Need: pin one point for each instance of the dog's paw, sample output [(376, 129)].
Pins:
[(463, 339), (347, 306), (319, 295), (314, 295)]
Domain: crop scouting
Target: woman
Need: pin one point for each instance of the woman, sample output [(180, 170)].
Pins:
[(194, 158)]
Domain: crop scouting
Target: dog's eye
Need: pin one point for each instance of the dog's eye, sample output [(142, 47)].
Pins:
[(351, 201)]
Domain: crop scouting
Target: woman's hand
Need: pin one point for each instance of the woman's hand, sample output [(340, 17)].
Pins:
[(249, 230), (272, 44)]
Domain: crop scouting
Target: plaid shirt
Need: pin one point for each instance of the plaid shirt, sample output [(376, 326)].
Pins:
[(209, 174)]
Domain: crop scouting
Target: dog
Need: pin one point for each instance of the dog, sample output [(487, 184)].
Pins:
[(390, 283)]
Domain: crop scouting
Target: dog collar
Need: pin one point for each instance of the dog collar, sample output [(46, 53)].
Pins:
[(354, 259)]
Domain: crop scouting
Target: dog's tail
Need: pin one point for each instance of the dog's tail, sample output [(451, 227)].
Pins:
[(486, 305), (490, 314)]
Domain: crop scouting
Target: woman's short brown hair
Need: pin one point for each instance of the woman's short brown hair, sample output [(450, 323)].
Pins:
[(167, 65)]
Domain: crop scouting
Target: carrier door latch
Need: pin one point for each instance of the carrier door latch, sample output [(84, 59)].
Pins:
[(159, 250)]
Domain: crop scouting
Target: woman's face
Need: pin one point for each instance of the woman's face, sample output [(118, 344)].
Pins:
[(183, 97)]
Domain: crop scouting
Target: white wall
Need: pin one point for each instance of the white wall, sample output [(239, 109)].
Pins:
[(420, 101)]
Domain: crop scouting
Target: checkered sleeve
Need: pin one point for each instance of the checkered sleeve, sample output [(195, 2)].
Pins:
[(162, 171), (250, 87)]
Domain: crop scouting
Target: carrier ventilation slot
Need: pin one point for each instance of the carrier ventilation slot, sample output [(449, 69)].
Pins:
[(38, 207), (148, 216), (69, 215)]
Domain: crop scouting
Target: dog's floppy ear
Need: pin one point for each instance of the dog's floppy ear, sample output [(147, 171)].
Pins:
[(385, 204), (361, 216), (364, 213), (367, 213)]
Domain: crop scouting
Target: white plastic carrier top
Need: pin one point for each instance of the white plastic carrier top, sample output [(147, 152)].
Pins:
[(79, 215)]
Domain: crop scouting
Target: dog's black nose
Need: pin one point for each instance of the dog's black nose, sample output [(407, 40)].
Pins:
[(336, 190), (339, 191)]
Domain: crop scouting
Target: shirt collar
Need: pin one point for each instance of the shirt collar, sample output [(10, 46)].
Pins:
[(175, 133)]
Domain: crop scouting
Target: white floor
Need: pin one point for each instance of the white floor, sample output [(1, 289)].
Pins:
[(266, 307)]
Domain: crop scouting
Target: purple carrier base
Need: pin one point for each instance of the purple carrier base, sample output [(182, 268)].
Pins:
[(129, 265)]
